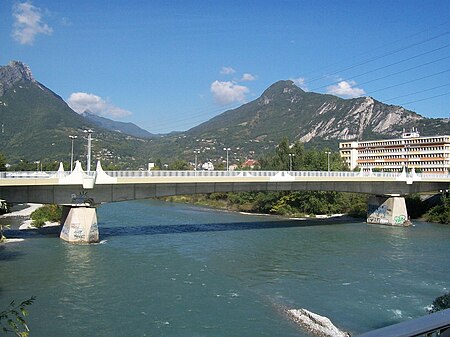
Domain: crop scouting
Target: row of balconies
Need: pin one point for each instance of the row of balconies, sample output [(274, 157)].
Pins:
[(403, 142)]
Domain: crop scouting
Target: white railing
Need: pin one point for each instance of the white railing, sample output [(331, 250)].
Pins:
[(38, 174), (26, 174), (225, 174)]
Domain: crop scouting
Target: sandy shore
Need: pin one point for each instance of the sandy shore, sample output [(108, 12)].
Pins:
[(19, 218)]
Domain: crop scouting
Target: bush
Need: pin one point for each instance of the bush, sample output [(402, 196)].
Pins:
[(439, 213), (45, 213)]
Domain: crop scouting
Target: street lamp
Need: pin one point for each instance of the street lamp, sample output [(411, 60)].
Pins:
[(89, 132), (328, 159), (291, 155), (196, 153), (71, 153), (227, 149)]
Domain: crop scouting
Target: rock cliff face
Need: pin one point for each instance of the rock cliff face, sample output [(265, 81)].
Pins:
[(286, 110), (14, 72)]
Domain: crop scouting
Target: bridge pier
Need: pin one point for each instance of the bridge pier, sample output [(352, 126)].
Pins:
[(387, 211), (79, 224)]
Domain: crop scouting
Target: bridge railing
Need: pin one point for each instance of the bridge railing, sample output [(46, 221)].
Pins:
[(39, 174), (141, 174), (433, 325), (182, 174), (27, 174)]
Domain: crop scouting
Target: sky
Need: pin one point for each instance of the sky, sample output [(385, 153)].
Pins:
[(170, 65)]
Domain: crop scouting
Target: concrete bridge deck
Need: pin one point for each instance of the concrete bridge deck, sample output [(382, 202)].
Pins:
[(63, 187)]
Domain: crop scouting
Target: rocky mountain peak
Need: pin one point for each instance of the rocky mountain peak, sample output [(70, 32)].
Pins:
[(282, 87), (14, 72), (285, 89)]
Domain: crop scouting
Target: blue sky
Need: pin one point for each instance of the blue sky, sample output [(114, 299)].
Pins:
[(170, 65)]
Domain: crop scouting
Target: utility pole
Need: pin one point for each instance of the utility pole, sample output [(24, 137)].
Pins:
[(291, 155), (89, 132), (195, 167), (227, 149), (71, 153), (328, 159)]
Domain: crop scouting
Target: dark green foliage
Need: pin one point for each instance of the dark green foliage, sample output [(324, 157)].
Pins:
[(12, 319), (415, 206), (440, 213), (440, 303), (301, 159), (289, 203), (179, 165), (45, 213), (2, 162), (2, 236)]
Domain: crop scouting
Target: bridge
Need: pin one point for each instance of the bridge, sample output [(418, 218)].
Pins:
[(78, 190)]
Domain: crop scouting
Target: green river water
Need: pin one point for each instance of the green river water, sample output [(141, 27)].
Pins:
[(165, 269)]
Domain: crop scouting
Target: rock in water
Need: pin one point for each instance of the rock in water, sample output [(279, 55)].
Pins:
[(316, 324)]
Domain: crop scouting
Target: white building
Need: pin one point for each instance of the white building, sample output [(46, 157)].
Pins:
[(208, 166), (424, 154)]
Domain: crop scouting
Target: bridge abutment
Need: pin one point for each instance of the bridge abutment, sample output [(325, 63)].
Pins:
[(79, 224), (387, 211)]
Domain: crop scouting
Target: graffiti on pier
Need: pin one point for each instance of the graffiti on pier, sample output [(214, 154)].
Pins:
[(400, 219), (377, 210), (93, 233), (78, 234), (378, 214)]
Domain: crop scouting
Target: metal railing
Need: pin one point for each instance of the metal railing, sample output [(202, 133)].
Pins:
[(39, 174), (240, 174), (433, 325)]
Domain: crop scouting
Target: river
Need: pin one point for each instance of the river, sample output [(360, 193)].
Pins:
[(165, 269)]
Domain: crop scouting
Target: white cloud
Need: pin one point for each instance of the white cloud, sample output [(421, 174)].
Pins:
[(81, 101), (248, 77), (227, 71), (345, 89), (300, 82), (228, 92), (28, 23)]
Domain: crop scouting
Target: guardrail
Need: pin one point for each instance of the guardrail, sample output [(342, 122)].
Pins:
[(181, 174), (433, 325), (140, 174), (39, 174)]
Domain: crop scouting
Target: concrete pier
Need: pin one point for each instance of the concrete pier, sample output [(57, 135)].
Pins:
[(387, 211), (79, 224)]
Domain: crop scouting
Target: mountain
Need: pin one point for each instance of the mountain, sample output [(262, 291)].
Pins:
[(286, 110), (36, 124), (123, 127)]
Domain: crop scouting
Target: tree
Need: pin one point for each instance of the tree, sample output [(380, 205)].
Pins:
[(2, 162), (45, 213), (179, 165), (440, 213), (12, 319)]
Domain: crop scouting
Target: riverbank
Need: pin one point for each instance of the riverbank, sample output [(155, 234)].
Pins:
[(223, 207), (20, 217)]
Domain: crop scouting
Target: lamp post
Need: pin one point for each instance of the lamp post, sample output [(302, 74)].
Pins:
[(291, 155), (328, 159), (196, 153), (71, 152), (89, 132), (227, 149)]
